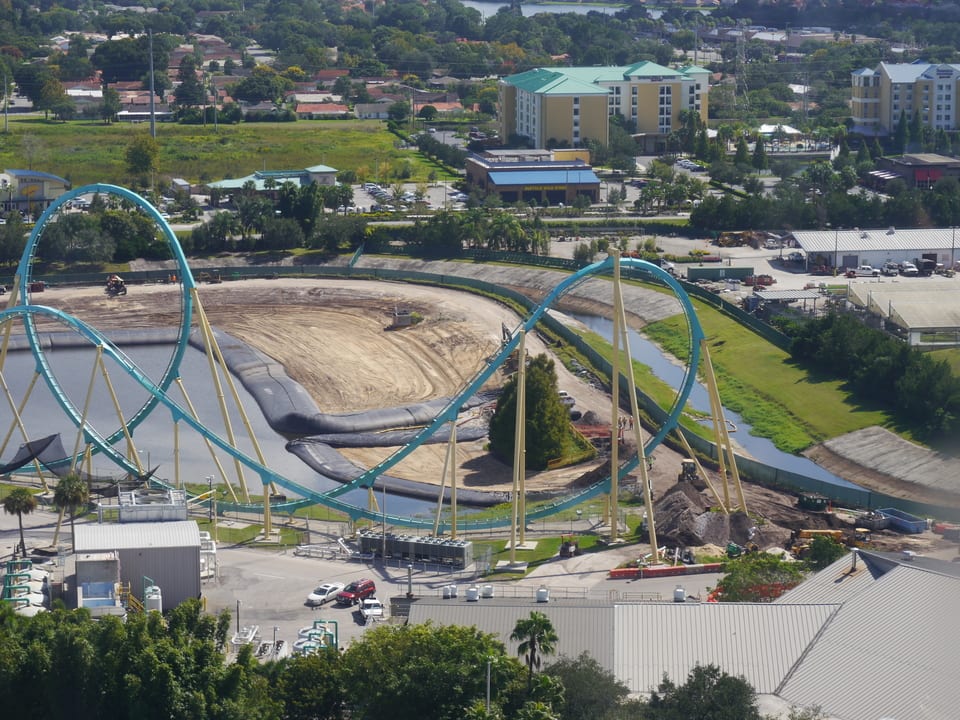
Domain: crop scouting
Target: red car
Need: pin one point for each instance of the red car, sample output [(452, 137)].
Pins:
[(356, 591)]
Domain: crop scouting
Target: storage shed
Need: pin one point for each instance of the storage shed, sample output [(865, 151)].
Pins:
[(168, 553)]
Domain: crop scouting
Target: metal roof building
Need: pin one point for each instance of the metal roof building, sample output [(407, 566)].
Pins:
[(545, 181), (863, 640), (891, 652), (168, 553), (852, 247), (927, 313)]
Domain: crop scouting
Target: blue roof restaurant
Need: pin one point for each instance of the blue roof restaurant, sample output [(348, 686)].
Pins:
[(539, 176)]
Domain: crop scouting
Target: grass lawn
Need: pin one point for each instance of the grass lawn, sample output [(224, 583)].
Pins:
[(950, 356), (86, 152), (759, 381)]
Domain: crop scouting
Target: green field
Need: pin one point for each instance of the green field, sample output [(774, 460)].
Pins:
[(780, 400), (88, 152)]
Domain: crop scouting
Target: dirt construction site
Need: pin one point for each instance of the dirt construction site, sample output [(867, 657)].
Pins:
[(330, 336)]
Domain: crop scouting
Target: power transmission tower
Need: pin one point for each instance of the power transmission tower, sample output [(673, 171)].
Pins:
[(741, 100)]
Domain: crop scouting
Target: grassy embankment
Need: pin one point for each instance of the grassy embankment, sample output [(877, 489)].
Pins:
[(782, 401), (86, 152)]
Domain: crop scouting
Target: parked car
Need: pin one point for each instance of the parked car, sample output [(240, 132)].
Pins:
[(863, 271), (890, 268), (324, 594), (795, 257), (566, 398), (908, 269), (371, 608), (356, 591)]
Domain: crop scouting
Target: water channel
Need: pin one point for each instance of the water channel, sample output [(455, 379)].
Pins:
[(667, 370), (154, 438), (489, 9)]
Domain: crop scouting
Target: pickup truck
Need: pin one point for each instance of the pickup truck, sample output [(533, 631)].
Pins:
[(371, 609), (863, 271), (890, 269)]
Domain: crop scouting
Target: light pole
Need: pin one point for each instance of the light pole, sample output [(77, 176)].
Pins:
[(210, 498), (383, 524), (489, 661), (953, 245)]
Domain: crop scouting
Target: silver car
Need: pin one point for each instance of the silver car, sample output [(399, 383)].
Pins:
[(323, 594)]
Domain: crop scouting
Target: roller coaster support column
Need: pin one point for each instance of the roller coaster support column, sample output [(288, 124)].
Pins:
[(722, 434), (453, 478), (635, 423), (519, 446), (615, 403), (267, 520)]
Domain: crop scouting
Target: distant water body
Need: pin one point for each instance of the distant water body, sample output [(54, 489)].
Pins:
[(489, 9)]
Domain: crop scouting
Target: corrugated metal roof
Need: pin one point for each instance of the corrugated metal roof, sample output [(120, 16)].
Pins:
[(761, 642), (904, 72), (906, 241), (544, 177), (581, 626), (94, 537), (554, 82), (591, 80), (928, 305), (836, 583), (788, 295), (890, 652)]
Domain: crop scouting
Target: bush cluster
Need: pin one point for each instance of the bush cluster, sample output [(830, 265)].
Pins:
[(881, 370)]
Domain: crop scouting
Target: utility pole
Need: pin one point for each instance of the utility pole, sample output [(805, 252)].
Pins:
[(153, 95), (6, 104)]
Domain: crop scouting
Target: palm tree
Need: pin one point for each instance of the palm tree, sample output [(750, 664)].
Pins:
[(71, 492), (537, 637), (20, 502)]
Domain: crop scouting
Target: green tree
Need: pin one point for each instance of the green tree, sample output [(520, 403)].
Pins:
[(20, 502), (142, 155), (589, 690), (757, 577), (547, 419), (309, 687), (398, 112), (189, 91), (537, 638), (742, 156), (110, 105), (707, 693), (759, 159), (901, 135), (824, 551), (412, 672), (70, 493)]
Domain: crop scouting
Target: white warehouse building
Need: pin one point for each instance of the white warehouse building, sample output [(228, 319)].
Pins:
[(923, 311), (845, 249)]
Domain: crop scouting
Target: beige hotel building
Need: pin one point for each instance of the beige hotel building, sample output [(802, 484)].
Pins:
[(563, 107), (879, 96)]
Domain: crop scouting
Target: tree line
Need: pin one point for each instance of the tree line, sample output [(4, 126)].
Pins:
[(881, 370)]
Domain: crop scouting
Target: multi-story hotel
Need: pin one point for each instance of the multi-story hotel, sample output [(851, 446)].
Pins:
[(881, 95), (566, 106)]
